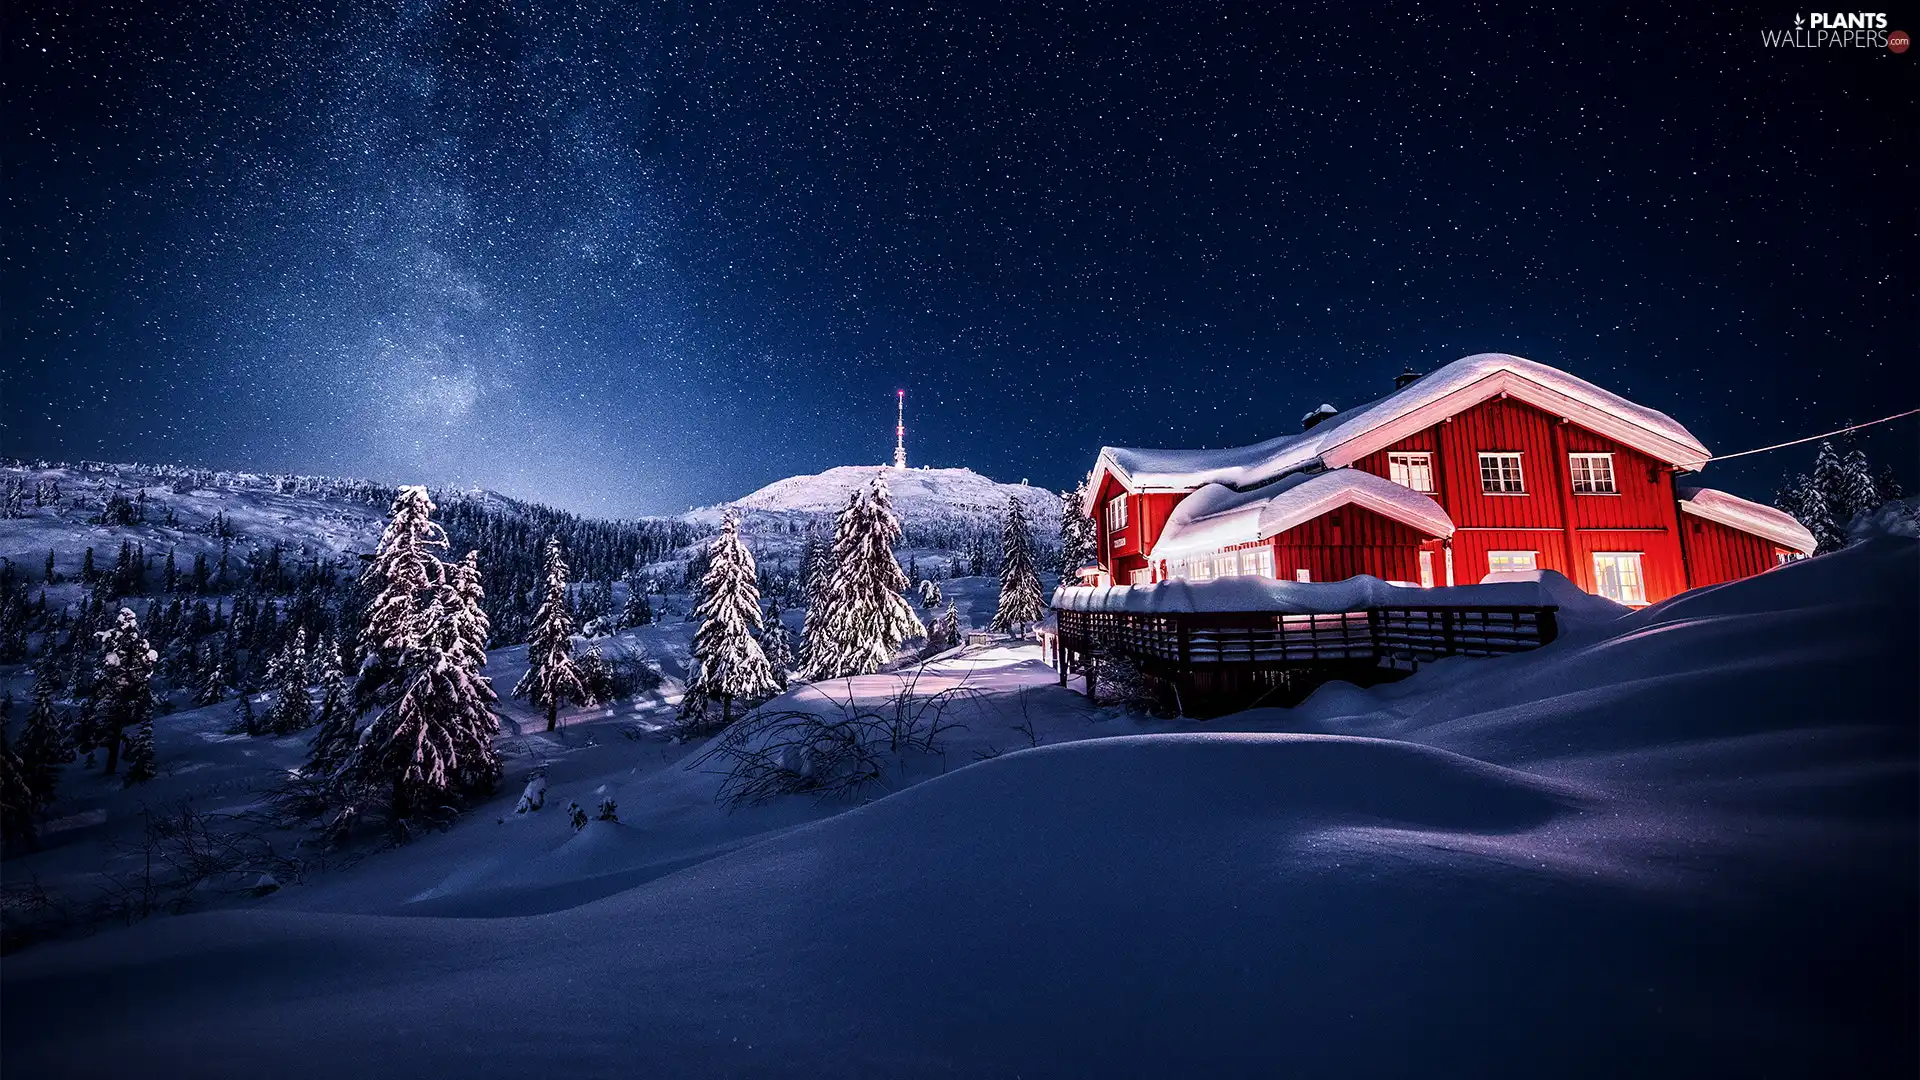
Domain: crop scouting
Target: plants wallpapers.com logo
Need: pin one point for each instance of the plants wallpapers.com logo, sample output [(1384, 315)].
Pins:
[(1843, 29)]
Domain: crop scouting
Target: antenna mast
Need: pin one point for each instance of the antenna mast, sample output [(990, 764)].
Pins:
[(900, 430)]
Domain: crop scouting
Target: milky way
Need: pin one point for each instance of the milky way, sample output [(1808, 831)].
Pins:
[(629, 259)]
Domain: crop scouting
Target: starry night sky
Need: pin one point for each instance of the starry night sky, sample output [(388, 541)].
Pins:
[(626, 259)]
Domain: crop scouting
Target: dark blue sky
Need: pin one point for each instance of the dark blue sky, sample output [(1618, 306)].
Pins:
[(626, 259)]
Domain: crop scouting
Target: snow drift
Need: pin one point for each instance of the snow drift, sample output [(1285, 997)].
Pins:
[(1680, 843)]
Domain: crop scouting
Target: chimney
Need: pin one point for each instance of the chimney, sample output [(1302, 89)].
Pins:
[(1323, 412), (1406, 376)]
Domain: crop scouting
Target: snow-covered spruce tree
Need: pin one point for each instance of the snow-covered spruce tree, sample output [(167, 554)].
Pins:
[(1078, 539), (551, 676), (1020, 602), (213, 685), (291, 709), (1840, 487), (730, 662), (777, 643), (124, 683), (399, 577), (435, 739), (817, 586), (867, 617), (336, 733), (949, 626), (638, 610)]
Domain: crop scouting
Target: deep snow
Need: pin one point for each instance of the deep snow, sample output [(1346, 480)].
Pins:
[(1679, 842)]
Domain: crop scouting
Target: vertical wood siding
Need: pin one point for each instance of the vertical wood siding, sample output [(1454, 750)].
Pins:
[(1716, 553)]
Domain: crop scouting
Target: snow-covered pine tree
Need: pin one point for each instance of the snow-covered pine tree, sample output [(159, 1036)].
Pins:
[(140, 764), (868, 618), (124, 682), (213, 684), (638, 610), (551, 676), (817, 584), (335, 734), (777, 642), (435, 739), (399, 576), (1077, 536), (291, 709), (1859, 493), (949, 626), (731, 664), (1020, 602)]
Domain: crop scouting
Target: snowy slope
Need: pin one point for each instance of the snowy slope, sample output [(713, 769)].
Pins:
[(1674, 843)]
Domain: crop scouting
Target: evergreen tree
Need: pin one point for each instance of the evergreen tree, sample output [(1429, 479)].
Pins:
[(731, 663), (291, 710), (436, 737), (18, 801), (816, 585), (44, 744), (867, 617), (1020, 600), (140, 764), (551, 675), (930, 594), (950, 624), (403, 570), (1078, 539), (337, 733), (777, 643), (1840, 487), (639, 608), (243, 716), (125, 683)]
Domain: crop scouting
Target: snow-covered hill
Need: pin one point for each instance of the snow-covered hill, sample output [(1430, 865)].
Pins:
[(938, 508), (1675, 842)]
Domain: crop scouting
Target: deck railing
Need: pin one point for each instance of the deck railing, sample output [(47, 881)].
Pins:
[(1194, 641)]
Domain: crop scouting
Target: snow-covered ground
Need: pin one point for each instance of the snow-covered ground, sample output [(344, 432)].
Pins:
[(1679, 841)]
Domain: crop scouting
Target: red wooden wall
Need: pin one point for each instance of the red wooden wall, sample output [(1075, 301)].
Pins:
[(1563, 529), (1351, 540), (1716, 553)]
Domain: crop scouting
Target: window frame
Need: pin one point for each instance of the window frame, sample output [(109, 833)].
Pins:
[(1116, 513), (1519, 471), (1406, 461), (1533, 561), (1639, 579), (1588, 456)]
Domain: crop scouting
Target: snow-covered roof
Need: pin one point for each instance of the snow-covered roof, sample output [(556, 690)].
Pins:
[(1348, 436), (1242, 594), (1217, 516), (1749, 517)]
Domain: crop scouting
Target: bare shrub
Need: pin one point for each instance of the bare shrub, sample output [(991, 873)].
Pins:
[(1118, 680), (833, 753)]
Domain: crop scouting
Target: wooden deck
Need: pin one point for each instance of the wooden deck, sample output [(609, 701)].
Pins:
[(1212, 657)]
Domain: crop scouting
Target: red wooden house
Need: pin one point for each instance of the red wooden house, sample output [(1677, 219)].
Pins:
[(1491, 464)]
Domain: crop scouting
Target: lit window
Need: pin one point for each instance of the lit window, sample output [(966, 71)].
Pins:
[(1616, 576), (1507, 562), (1117, 513), (1302, 575), (1500, 475), (1411, 471), (1782, 558), (1139, 577), (1263, 562), (1426, 569), (1592, 474), (1226, 564)]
